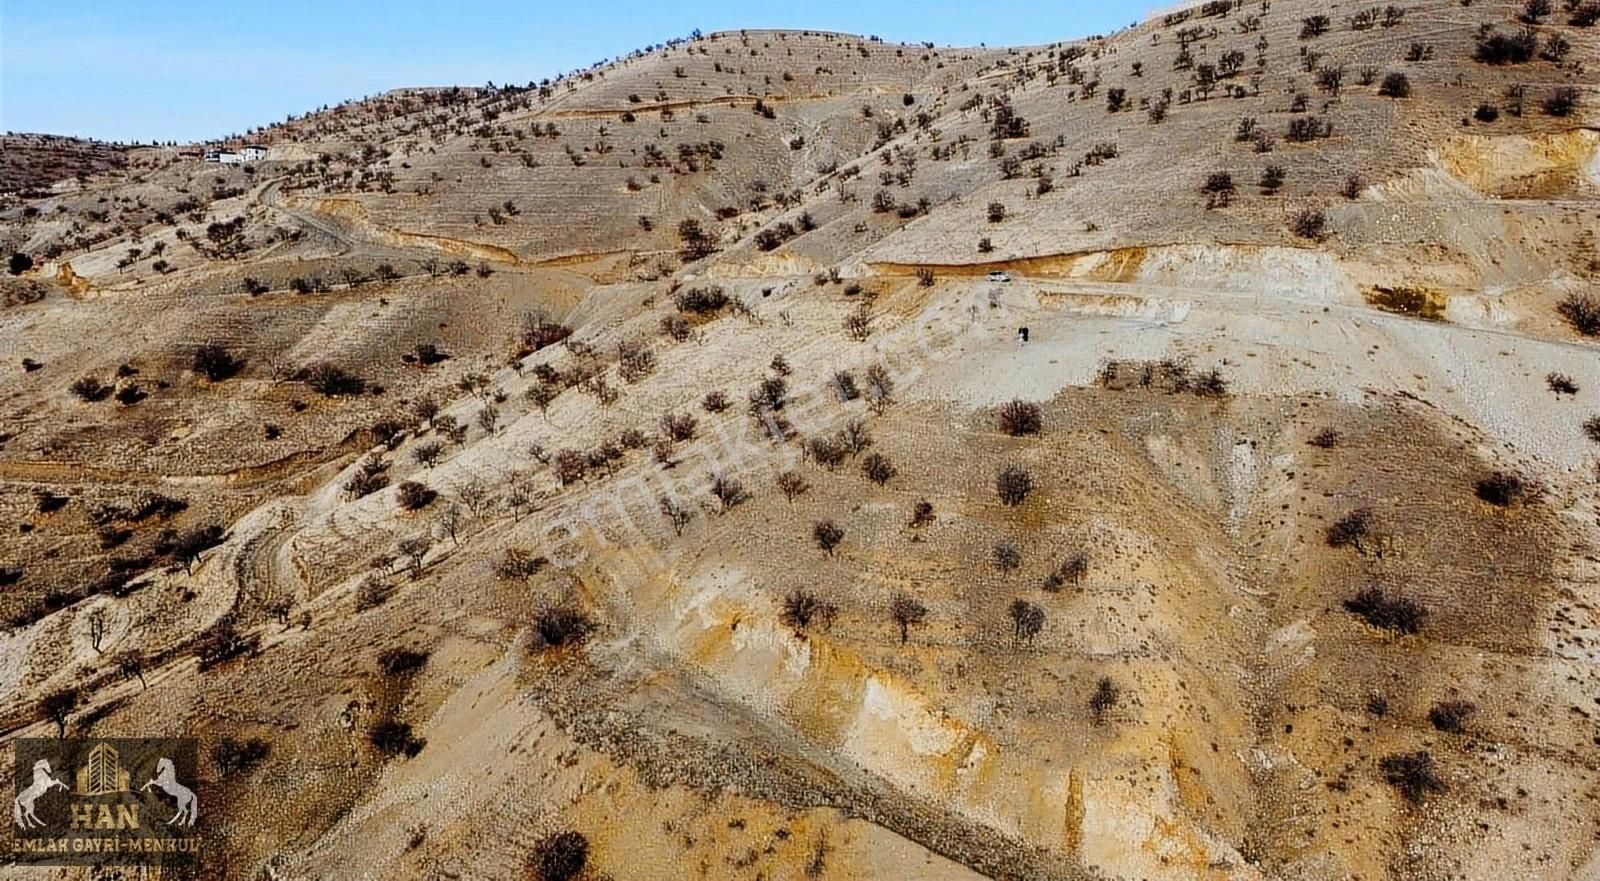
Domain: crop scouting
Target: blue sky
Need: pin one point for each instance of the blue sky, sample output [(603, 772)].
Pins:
[(185, 70)]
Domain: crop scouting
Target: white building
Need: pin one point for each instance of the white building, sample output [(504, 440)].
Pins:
[(253, 152)]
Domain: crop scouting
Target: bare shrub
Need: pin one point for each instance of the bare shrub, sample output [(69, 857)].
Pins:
[(1411, 773), (1309, 223), (792, 484), (1018, 418), (878, 468), (1386, 612), (559, 857), (676, 513), (1027, 620), (1582, 311), (1007, 557), (827, 535), (216, 363), (393, 739), (714, 402), (1013, 485), (1103, 700), (1451, 716), (1349, 530), (559, 626), (802, 607), (1071, 571), (1503, 489), (906, 611), (728, 491), (679, 426), (414, 496)]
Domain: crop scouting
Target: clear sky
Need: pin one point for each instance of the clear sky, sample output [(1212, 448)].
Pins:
[(186, 70)]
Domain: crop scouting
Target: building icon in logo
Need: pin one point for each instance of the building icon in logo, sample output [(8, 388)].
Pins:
[(102, 774)]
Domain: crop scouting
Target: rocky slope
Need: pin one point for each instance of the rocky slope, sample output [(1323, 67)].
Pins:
[(671, 417)]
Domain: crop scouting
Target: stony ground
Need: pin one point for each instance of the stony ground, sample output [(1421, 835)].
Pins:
[(1166, 660)]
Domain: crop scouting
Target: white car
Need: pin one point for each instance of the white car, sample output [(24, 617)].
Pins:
[(999, 276)]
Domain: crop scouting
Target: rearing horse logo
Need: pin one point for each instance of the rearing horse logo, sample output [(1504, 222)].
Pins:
[(22, 806), (167, 779)]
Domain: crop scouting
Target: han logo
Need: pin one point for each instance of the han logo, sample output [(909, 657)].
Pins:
[(103, 816)]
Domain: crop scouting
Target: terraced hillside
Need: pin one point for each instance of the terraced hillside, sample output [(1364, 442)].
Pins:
[(647, 464)]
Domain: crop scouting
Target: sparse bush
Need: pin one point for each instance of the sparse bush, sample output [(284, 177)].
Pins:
[(90, 389), (58, 706), (1303, 129), (1071, 571), (1027, 620), (1007, 557), (393, 739), (827, 535), (677, 514), (1534, 11), (232, 756), (1499, 49), (701, 301), (1486, 113), (1013, 485), (679, 426), (878, 468), (1503, 489), (1411, 773), (223, 641), (1387, 612), (369, 477), (906, 611), (728, 491), (560, 626), (1451, 716), (1103, 700), (1349, 530), (1018, 418), (1591, 427), (635, 360), (414, 496), (395, 662), (801, 607), (1218, 189), (1309, 223), (427, 453), (516, 564), (1561, 101), (1582, 311), (330, 380), (1272, 179), (371, 593), (674, 327), (1395, 85), (1313, 26), (922, 514), (714, 402), (792, 484), (216, 363), (559, 857), (1561, 384)]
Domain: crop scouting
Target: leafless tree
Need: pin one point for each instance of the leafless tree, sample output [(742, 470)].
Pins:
[(792, 484), (677, 514), (97, 627), (906, 611), (827, 534)]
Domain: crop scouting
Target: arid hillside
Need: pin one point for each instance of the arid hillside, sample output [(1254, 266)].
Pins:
[(1173, 454)]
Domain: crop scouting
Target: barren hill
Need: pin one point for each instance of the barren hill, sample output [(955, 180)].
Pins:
[(647, 469)]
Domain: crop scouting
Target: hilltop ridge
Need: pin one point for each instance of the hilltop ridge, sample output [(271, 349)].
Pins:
[(1171, 454)]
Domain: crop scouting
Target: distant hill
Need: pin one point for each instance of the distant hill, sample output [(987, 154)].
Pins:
[(33, 162)]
